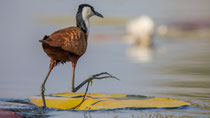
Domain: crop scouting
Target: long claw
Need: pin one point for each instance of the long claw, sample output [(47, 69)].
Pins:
[(113, 76), (96, 76), (89, 81), (104, 73)]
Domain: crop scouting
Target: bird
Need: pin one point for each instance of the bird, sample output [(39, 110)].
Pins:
[(141, 31), (69, 44)]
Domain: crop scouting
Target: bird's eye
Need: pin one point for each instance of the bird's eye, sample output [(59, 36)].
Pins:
[(92, 9)]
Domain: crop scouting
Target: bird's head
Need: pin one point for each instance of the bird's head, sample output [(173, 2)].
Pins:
[(85, 11)]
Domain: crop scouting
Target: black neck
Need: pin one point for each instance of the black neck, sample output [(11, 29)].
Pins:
[(80, 22)]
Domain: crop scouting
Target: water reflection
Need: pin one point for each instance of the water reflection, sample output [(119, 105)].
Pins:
[(140, 54)]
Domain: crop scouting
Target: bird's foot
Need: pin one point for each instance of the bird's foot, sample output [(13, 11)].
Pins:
[(103, 75), (100, 76), (43, 107)]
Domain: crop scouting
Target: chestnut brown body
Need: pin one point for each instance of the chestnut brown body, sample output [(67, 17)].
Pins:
[(67, 44)]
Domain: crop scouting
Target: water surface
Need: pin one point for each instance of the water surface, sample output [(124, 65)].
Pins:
[(175, 67)]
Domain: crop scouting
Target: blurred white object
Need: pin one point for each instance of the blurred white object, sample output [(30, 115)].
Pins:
[(140, 31), (140, 54), (163, 29)]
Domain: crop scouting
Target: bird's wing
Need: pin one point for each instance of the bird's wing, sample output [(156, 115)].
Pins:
[(71, 39)]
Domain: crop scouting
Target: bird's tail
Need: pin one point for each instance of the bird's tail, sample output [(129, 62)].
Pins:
[(45, 37)]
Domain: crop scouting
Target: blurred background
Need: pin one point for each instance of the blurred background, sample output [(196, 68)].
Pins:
[(156, 48)]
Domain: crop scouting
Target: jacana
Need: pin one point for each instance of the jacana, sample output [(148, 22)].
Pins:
[(69, 44)]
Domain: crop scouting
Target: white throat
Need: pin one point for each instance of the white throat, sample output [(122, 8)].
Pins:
[(86, 14), (87, 23)]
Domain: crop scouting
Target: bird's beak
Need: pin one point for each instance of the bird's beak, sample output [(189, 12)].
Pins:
[(98, 14)]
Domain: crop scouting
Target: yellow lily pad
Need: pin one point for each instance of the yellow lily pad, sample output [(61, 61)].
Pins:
[(95, 101), (93, 95)]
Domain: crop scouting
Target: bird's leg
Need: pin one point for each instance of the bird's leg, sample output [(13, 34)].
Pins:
[(83, 99), (88, 81), (52, 64), (73, 76), (96, 76)]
